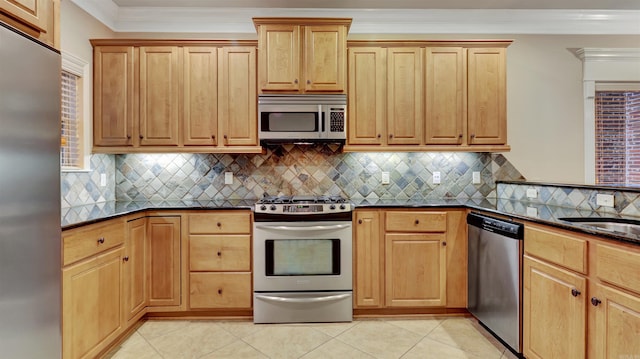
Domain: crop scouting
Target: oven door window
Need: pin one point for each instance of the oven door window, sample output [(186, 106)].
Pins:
[(289, 122), (302, 257)]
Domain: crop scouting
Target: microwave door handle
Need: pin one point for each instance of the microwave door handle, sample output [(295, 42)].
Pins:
[(302, 229), (321, 127), (329, 298)]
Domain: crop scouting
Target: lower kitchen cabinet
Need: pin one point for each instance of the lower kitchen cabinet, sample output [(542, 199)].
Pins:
[(368, 249), (584, 303), (402, 259), (92, 288), (220, 260), (415, 270), (92, 304), (134, 263), (555, 314), (617, 323), (164, 261), (220, 290)]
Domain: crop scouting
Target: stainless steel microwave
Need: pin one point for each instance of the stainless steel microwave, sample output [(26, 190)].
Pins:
[(302, 118)]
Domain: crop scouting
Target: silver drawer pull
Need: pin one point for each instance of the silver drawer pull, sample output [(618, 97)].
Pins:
[(330, 298)]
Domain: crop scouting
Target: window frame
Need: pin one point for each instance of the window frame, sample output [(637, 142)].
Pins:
[(602, 66), (80, 68)]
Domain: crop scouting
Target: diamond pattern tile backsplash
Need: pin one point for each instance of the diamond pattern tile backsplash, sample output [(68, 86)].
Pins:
[(306, 169), (80, 188), (626, 203)]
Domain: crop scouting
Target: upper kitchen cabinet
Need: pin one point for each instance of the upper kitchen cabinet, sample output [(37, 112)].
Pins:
[(175, 96), (385, 96), (487, 96), (113, 95), (159, 96), (37, 18), (237, 102), (367, 95), (444, 98), (302, 55), (427, 96)]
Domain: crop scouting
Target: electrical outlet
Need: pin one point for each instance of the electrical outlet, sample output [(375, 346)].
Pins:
[(385, 178), (532, 193), (476, 177), (532, 212), (436, 177), (228, 178), (103, 180), (604, 200)]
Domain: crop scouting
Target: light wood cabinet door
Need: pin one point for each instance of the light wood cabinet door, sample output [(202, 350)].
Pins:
[(617, 323), (159, 96), (114, 95), (200, 100), (367, 95), (92, 305), (554, 311), (404, 92), (220, 290), (415, 270), (444, 113), (30, 12), (220, 252), (237, 101), (369, 260), (163, 261), (279, 67), (325, 58), (135, 290), (486, 96)]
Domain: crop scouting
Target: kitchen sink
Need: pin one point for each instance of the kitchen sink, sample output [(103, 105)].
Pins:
[(619, 225)]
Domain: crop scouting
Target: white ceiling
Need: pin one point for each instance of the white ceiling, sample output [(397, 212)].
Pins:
[(375, 16)]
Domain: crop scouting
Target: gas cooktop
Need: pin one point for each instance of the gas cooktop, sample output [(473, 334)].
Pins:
[(302, 204)]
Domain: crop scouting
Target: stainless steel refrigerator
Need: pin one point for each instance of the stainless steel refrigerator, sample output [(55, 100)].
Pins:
[(30, 290)]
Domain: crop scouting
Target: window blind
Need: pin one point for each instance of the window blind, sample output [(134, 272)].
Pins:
[(618, 137), (70, 150)]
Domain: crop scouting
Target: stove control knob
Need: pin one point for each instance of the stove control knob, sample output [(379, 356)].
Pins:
[(332, 207), (342, 206), (263, 208), (273, 207)]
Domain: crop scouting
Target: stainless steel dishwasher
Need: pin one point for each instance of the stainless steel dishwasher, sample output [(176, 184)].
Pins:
[(495, 277)]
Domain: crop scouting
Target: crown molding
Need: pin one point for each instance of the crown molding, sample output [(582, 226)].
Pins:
[(369, 21), (602, 54), (73, 64)]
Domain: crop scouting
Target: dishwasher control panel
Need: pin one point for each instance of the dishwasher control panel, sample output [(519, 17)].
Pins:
[(500, 226)]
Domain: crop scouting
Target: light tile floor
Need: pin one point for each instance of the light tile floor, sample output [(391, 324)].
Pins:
[(451, 337)]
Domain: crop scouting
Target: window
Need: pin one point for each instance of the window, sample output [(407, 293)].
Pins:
[(74, 146), (617, 131), (71, 145)]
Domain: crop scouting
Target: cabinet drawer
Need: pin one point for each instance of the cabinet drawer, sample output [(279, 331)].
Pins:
[(220, 253), (220, 290), (416, 221), (220, 222), (90, 240), (618, 266), (559, 247)]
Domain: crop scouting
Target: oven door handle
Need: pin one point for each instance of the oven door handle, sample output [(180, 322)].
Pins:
[(308, 228), (329, 298)]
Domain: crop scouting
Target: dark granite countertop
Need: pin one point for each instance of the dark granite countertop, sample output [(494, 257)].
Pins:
[(87, 214), (516, 210), (549, 215)]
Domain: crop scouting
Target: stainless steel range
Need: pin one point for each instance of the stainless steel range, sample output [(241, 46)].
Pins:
[(302, 260)]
